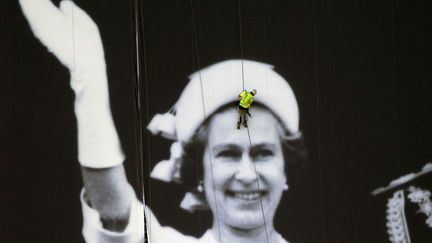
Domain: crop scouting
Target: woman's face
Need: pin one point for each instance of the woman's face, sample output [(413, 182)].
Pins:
[(239, 177)]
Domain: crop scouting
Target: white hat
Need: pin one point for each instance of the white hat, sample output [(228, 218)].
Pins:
[(218, 85), (211, 88)]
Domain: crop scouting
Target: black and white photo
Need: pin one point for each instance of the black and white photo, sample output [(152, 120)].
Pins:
[(201, 121)]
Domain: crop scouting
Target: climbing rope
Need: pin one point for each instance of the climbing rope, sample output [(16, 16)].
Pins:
[(205, 114), (248, 132), (141, 74)]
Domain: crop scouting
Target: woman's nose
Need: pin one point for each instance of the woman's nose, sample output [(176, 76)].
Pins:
[(246, 171)]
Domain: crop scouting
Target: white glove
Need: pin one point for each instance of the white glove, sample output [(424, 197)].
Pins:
[(73, 37)]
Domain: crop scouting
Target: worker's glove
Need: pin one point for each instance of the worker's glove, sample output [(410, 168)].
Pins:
[(249, 114), (73, 37)]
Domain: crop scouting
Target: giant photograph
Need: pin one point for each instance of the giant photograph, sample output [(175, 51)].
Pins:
[(198, 121)]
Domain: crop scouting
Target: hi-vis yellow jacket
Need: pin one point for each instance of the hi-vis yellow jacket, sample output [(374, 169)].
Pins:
[(246, 99)]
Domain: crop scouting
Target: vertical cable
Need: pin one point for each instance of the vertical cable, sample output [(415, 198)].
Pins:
[(258, 188), (138, 35), (241, 40), (205, 114), (147, 113), (248, 132)]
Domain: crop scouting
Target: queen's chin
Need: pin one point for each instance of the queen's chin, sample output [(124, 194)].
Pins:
[(245, 220)]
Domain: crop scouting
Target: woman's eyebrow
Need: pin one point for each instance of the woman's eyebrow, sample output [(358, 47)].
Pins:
[(259, 146), (228, 146)]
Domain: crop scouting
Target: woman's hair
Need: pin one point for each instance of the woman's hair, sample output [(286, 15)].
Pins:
[(192, 170)]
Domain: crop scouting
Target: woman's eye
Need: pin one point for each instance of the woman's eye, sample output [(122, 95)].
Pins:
[(228, 154), (262, 154)]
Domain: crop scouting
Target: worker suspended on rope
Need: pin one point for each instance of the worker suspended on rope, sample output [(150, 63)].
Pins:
[(246, 99)]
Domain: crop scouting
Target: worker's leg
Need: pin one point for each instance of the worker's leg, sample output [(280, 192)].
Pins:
[(245, 118), (240, 112)]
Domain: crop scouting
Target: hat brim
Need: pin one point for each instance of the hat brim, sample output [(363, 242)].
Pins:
[(404, 180)]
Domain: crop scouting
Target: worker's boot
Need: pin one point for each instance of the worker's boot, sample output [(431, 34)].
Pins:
[(239, 122), (245, 124)]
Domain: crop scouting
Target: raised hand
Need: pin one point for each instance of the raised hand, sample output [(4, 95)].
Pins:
[(68, 32), (73, 37)]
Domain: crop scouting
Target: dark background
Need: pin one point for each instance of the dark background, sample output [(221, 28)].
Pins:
[(361, 71)]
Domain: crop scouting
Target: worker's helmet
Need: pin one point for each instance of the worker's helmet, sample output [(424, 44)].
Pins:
[(254, 91)]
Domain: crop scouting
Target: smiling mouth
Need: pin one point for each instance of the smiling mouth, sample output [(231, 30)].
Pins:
[(246, 195)]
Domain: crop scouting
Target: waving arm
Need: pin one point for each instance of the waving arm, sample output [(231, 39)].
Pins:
[(73, 37)]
